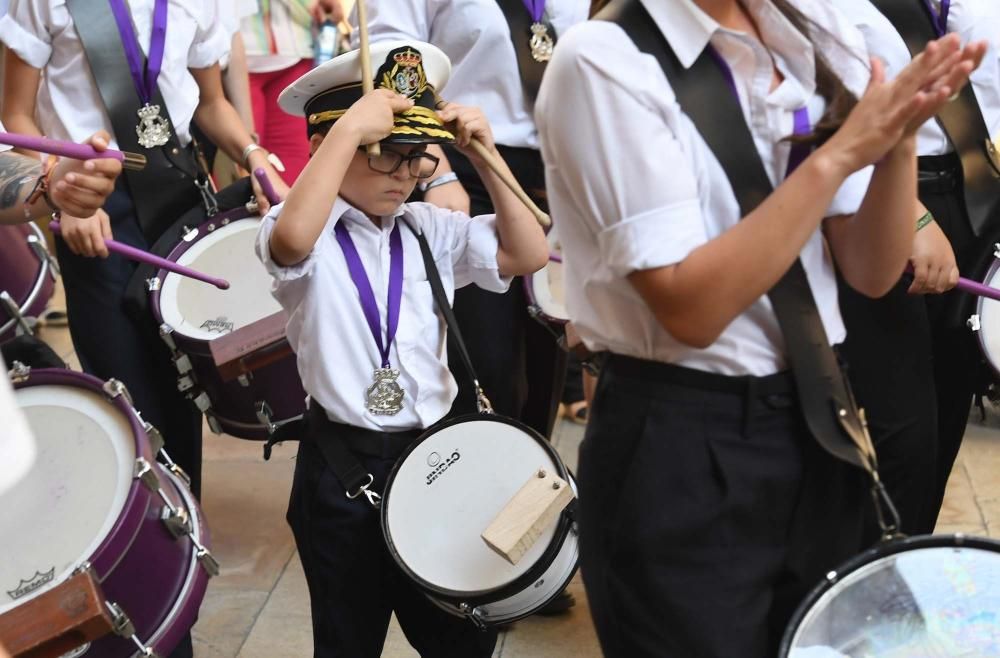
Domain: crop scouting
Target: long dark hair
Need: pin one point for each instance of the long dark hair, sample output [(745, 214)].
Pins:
[(839, 99)]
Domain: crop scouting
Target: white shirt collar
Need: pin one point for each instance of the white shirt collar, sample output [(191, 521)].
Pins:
[(689, 30), (342, 209)]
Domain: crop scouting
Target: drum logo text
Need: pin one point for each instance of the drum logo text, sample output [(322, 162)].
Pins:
[(440, 466), (28, 586), (220, 325)]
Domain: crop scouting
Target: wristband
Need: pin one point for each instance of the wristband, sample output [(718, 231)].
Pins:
[(924, 220), (41, 187), (251, 147), (443, 179)]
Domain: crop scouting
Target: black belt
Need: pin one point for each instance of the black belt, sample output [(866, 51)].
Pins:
[(939, 174), (781, 383), (372, 443)]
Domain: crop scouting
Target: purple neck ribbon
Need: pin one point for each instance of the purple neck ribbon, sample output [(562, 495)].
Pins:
[(144, 74), (940, 19), (364, 286), (799, 151), (536, 8)]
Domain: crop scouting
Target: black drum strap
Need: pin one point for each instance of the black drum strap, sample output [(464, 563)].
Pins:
[(703, 93), (441, 299)]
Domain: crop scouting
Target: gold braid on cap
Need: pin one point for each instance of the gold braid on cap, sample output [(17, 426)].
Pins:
[(323, 117)]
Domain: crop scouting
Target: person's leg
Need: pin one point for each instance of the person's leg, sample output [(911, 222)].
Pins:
[(283, 134), (430, 630), (545, 372), (890, 368), (341, 547), (704, 549)]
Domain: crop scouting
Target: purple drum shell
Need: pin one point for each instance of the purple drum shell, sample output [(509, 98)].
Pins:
[(234, 405), (139, 565), (23, 276)]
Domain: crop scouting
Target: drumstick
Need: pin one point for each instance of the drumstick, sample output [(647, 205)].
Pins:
[(265, 184), (367, 83), (505, 176), (970, 286), (133, 161), (152, 259)]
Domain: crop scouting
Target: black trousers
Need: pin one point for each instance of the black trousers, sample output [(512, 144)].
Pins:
[(520, 366), (354, 584), (914, 365), (707, 511), (111, 344)]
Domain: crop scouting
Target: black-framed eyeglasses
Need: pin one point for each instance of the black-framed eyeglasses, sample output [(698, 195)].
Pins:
[(420, 164)]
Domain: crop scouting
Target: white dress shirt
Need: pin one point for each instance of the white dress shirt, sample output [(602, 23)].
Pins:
[(42, 33), (476, 37), (17, 445), (327, 328), (633, 185), (973, 20)]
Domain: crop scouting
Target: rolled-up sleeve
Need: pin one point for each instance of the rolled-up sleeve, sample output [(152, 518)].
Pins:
[(636, 176), (212, 40), (281, 273), (26, 30)]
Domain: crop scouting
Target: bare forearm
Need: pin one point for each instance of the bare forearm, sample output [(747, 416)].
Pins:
[(223, 126), (523, 247), (696, 299), (236, 82), (308, 205), (872, 246)]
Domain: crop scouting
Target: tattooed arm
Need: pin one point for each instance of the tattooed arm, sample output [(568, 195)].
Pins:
[(17, 176)]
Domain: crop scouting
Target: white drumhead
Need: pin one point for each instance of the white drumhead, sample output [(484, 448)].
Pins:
[(931, 601), (202, 311), (989, 318), (448, 490), (17, 445), (59, 513), (547, 284)]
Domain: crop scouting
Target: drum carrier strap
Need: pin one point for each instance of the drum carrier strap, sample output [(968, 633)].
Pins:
[(352, 475), (962, 119), (172, 181), (827, 403)]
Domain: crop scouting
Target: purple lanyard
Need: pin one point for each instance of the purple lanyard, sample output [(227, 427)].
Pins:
[(536, 8), (940, 19), (364, 286), (799, 152), (145, 80)]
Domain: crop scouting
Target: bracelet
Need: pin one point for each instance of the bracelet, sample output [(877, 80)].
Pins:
[(924, 220), (251, 147), (443, 179), (40, 190)]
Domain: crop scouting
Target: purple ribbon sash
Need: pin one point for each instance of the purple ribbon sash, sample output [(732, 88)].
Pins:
[(802, 126), (144, 74), (536, 8), (940, 19), (364, 286)]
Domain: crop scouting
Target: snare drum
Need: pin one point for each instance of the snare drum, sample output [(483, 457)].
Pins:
[(443, 493), (96, 498), (27, 278), (191, 314), (936, 595), (544, 289)]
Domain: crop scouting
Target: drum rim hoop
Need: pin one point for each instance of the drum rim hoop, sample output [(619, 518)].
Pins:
[(481, 597), (130, 519), (877, 552), (179, 250)]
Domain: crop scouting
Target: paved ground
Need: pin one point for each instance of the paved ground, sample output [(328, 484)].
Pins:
[(258, 607)]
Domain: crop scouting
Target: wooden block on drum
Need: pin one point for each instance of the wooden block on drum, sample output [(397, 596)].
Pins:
[(523, 519), (251, 347), (58, 621)]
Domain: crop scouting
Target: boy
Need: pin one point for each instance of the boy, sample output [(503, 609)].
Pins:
[(339, 247)]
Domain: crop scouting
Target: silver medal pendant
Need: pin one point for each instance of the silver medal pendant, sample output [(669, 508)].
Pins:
[(153, 130), (541, 43), (384, 397)]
